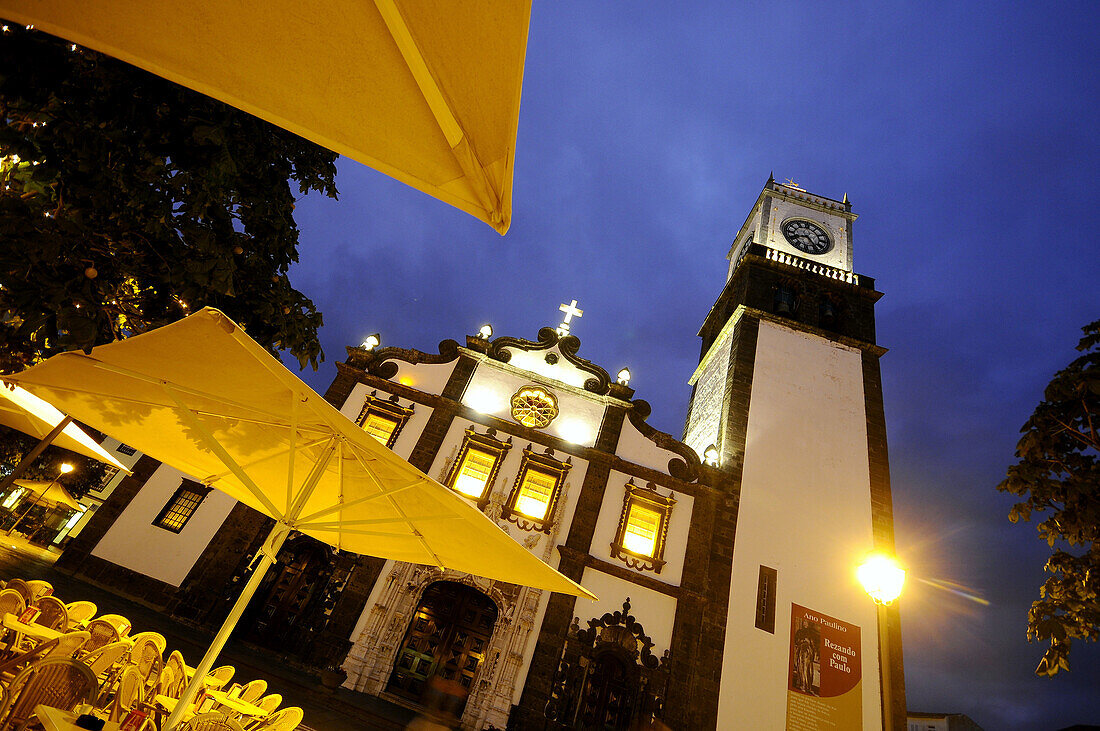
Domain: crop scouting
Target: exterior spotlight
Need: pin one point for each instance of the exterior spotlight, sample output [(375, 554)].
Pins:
[(66, 468), (881, 577), (371, 342), (624, 377), (710, 455), (485, 332)]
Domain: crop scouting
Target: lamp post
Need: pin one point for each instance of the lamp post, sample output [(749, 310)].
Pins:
[(882, 579)]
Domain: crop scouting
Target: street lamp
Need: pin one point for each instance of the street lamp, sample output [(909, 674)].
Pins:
[(882, 578)]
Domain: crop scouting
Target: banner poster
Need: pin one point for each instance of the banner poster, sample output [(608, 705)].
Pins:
[(824, 679)]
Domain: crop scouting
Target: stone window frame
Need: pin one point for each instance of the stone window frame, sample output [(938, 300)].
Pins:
[(645, 496), (486, 442), (545, 463), (388, 409), (183, 505)]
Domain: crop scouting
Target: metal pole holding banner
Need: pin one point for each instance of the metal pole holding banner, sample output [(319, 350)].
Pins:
[(33, 454), (268, 552)]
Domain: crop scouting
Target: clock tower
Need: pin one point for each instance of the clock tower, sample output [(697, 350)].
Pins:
[(787, 400)]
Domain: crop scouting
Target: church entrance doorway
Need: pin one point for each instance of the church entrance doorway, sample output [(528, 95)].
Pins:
[(447, 638), (608, 699)]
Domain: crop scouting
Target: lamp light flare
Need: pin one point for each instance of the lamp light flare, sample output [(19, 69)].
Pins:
[(882, 578), (371, 342), (710, 455), (623, 378), (485, 332), (66, 468)]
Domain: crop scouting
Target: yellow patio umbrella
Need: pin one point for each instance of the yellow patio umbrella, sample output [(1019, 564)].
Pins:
[(203, 397), (426, 92), (52, 491), (25, 412)]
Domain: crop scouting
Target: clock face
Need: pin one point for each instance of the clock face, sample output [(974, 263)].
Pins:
[(806, 236)]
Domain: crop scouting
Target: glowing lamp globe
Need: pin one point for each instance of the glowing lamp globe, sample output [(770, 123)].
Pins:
[(66, 468), (882, 578)]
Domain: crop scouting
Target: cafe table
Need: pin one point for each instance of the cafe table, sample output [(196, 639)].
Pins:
[(221, 698), (55, 719), (37, 631)]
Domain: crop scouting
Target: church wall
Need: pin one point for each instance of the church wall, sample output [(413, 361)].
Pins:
[(633, 446), (656, 612), (133, 542), (607, 525), (491, 389), (705, 418), (426, 377), (805, 511), (410, 432)]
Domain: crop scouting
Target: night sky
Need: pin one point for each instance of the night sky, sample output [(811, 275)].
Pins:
[(965, 136)]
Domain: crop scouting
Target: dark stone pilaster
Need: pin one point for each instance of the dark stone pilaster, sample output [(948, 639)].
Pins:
[(882, 519), (439, 423), (559, 610), (333, 644)]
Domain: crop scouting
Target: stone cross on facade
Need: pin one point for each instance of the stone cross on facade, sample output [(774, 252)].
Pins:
[(570, 311)]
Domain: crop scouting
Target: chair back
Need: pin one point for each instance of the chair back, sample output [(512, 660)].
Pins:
[(253, 690), (210, 722), (286, 719), (152, 680), (130, 687), (144, 655), (102, 660), (166, 682), (178, 667), (52, 613), (156, 637), (269, 702), (60, 683), (80, 612), (222, 674), (11, 601), (24, 590), (102, 634), (40, 588), (68, 644), (120, 623)]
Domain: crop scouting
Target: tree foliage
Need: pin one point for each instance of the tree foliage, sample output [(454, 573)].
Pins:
[(1058, 476), (127, 201)]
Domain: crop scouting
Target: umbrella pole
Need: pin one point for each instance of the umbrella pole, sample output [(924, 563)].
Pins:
[(270, 549)]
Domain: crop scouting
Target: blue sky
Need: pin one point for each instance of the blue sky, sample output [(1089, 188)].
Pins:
[(965, 136)]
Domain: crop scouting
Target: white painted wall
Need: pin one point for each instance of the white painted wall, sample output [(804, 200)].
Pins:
[(805, 510), (426, 377), (635, 447), (535, 362), (135, 543), (607, 524), (491, 389), (655, 611)]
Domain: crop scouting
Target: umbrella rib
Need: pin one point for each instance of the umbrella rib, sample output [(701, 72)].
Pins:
[(267, 458), (397, 508), (221, 452), (374, 521), (293, 449), (353, 531), (358, 501), (444, 116)]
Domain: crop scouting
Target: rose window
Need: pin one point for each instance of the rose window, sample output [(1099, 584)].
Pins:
[(534, 407)]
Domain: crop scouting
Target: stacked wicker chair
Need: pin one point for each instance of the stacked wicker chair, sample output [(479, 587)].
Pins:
[(60, 683)]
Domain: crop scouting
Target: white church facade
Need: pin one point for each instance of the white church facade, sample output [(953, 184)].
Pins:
[(723, 562)]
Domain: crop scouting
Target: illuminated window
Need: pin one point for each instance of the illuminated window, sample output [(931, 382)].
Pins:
[(476, 466), (380, 426), (536, 490), (383, 418), (643, 526), (183, 504)]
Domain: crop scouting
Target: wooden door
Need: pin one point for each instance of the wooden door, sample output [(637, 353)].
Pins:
[(608, 698), (447, 638)]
